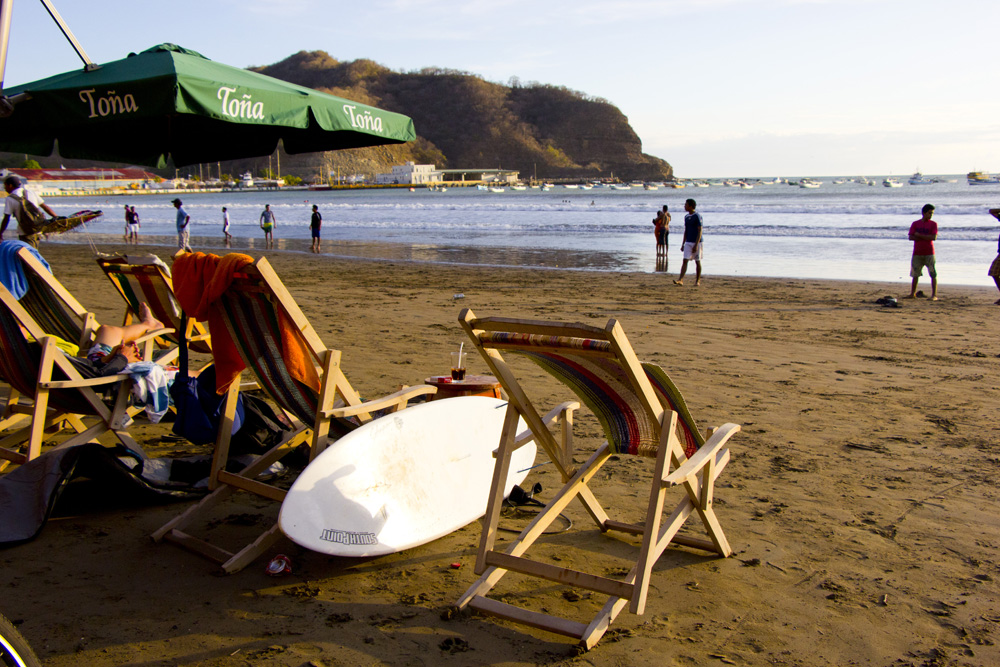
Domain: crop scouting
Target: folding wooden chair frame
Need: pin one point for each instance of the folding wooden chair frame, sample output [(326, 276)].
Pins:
[(44, 414), (336, 400), (696, 475), (68, 318)]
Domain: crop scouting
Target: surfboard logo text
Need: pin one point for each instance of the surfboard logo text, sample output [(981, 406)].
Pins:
[(240, 107), (111, 104), (347, 537), (363, 121)]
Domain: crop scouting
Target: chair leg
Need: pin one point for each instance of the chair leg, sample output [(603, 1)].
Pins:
[(491, 519), (654, 510)]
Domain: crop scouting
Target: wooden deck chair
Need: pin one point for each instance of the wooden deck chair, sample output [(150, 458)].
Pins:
[(254, 308), (643, 414), (58, 313), (60, 389), (151, 284)]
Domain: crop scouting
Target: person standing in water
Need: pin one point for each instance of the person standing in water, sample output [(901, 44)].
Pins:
[(268, 222), (225, 227), (183, 234), (314, 224)]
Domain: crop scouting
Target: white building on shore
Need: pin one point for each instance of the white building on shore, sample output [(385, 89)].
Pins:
[(409, 174), (48, 182)]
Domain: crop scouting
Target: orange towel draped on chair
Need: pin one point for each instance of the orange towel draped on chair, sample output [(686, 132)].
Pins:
[(199, 280)]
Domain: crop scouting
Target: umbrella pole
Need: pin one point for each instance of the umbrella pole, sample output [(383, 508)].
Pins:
[(88, 64), (6, 9)]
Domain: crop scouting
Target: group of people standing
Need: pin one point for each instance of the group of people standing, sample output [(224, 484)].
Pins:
[(268, 222), (691, 245)]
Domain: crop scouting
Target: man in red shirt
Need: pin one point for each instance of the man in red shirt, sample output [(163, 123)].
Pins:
[(922, 233)]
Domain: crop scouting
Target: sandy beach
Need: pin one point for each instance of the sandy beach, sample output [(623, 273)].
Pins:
[(860, 500)]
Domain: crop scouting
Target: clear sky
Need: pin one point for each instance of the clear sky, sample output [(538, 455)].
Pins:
[(715, 87)]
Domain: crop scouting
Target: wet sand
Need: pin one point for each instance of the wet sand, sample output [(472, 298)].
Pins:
[(860, 500)]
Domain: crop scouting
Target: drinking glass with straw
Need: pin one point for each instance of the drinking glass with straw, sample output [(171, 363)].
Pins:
[(458, 363)]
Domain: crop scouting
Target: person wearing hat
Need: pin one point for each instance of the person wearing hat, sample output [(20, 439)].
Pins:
[(183, 220), (16, 193), (923, 232)]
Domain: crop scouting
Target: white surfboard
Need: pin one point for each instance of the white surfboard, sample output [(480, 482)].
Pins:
[(402, 480)]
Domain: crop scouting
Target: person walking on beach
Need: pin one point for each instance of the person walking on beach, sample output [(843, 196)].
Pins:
[(128, 221), (662, 229), (994, 271), (268, 222), (225, 228), (183, 235), (26, 207), (692, 242), (922, 233), (314, 224), (133, 226)]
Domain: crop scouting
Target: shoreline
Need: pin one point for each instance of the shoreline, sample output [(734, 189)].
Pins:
[(858, 499), (435, 254)]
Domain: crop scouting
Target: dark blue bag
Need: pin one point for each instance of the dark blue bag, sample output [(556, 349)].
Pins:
[(199, 408)]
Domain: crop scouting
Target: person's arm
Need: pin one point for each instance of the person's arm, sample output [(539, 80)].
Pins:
[(3, 225), (187, 219)]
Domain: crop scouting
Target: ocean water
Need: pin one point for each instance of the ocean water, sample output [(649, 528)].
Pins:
[(838, 231)]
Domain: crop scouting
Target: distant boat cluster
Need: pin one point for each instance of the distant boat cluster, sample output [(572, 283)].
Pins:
[(974, 178)]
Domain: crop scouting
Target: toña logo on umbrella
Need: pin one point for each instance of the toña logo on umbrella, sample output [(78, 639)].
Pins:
[(171, 101)]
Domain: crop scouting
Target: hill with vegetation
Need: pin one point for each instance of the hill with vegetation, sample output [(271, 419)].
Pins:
[(462, 122)]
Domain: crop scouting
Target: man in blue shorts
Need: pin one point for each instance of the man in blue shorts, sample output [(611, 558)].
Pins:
[(692, 242)]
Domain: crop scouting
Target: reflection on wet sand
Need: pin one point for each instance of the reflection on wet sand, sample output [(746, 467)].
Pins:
[(425, 252)]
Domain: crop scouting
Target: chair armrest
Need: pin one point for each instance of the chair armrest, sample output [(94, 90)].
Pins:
[(705, 453), (152, 334), (398, 399), (553, 416), (88, 382)]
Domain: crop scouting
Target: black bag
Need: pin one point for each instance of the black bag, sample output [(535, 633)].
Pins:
[(199, 408), (262, 427)]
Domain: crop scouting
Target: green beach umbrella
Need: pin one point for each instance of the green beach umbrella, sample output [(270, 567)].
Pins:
[(168, 100)]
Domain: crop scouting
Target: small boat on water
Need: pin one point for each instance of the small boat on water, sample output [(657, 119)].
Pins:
[(619, 186), (810, 183), (891, 183), (919, 179), (982, 178), (571, 186), (498, 190), (519, 187)]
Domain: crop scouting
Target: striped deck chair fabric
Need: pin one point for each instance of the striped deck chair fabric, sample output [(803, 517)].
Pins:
[(642, 413), (150, 283), (252, 320), (599, 380), (56, 314)]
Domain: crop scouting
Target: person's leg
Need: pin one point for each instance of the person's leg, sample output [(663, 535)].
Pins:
[(697, 272), (680, 278), (112, 335)]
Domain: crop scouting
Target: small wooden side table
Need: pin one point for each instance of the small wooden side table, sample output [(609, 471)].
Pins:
[(472, 385)]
